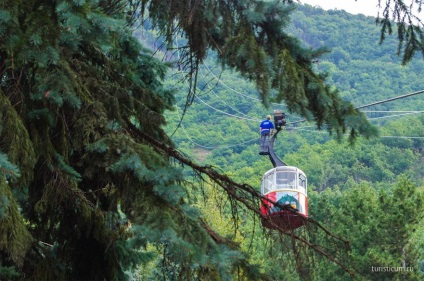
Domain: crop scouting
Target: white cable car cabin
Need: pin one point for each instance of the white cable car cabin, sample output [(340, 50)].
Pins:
[(284, 185), (287, 186)]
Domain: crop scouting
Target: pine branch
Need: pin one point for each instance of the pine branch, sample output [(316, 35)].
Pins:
[(215, 236), (232, 187)]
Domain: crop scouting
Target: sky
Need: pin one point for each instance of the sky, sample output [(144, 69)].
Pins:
[(366, 7)]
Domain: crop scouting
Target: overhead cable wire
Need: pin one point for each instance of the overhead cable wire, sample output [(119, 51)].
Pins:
[(391, 111), (391, 99), (234, 90), (203, 146), (228, 87), (372, 118), (304, 128), (401, 137), (301, 128), (232, 115), (211, 147), (375, 103), (322, 132), (395, 115), (216, 146), (253, 118), (225, 113)]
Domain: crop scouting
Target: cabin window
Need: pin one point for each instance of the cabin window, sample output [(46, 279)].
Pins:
[(286, 180), (268, 184), (302, 183), (302, 180)]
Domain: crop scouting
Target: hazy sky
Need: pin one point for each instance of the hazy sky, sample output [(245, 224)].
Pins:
[(366, 7)]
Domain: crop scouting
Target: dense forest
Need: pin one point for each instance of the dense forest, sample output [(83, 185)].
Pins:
[(129, 141)]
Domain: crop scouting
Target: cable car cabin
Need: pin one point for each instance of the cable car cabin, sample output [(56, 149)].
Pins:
[(287, 186)]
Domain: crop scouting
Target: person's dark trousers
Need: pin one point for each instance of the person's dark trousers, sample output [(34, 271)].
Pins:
[(264, 142)]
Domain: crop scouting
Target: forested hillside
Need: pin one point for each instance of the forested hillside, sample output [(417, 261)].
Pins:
[(224, 120), (375, 185), (354, 43)]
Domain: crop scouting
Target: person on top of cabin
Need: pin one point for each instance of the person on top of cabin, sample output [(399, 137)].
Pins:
[(266, 129)]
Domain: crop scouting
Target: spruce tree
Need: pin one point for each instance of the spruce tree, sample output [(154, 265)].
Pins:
[(82, 193), (404, 19)]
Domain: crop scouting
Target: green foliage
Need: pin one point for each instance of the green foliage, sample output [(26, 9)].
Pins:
[(379, 225), (15, 240), (8, 272), (348, 64), (7, 169), (14, 141)]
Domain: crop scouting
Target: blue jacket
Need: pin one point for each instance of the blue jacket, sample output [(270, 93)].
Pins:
[(266, 127)]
